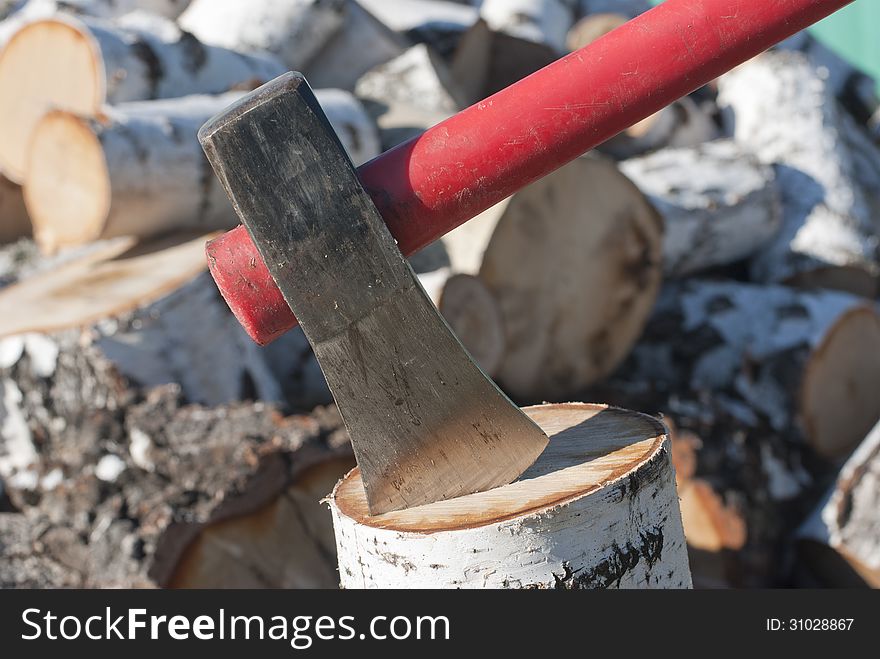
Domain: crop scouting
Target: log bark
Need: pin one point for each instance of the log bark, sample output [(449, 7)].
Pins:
[(143, 57), (416, 79), (840, 541), (292, 30), (718, 202), (828, 233), (166, 495), (588, 514), (14, 220), (362, 43), (139, 169), (574, 261), (794, 359), (590, 28)]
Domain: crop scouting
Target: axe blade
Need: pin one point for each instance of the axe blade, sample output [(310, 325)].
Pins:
[(425, 422)]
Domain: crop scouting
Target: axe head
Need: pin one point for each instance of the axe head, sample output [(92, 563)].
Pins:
[(425, 422)]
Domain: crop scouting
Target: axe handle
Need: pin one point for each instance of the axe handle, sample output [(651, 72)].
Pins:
[(429, 185)]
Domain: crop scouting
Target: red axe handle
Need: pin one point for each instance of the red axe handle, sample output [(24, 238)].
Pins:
[(429, 185)]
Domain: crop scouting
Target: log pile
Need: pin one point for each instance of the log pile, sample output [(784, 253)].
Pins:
[(716, 264)]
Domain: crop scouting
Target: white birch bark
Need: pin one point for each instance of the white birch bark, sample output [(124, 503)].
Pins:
[(783, 111), (292, 30), (718, 202), (597, 514)]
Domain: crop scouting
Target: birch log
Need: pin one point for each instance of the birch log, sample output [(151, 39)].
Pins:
[(841, 539), (718, 202), (590, 28), (682, 124), (155, 493), (439, 24), (148, 314), (14, 220), (362, 43), (597, 513), (292, 30), (785, 113), (416, 79), (575, 263), (797, 359), (79, 64), (139, 169)]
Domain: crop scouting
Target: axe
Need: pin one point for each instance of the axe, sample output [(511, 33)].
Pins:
[(325, 242)]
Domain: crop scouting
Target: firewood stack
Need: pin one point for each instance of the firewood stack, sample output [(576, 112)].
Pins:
[(717, 264)]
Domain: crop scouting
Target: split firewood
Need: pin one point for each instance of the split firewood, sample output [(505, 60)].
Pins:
[(361, 43), (139, 169), (828, 232), (398, 123), (682, 124), (540, 21), (574, 261), (156, 493), (144, 57), (809, 360), (718, 202), (133, 316), (841, 539), (292, 30), (416, 79), (599, 513), (14, 220)]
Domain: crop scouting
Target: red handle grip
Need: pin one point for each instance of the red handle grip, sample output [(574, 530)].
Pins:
[(429, 185)]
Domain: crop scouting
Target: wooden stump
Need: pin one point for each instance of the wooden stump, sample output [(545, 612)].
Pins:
[(139, 169), (828, 230), (574, 261), (718, 202), (841, 539), (292, 30), (14, 220), (793, 358), (79, 64), (598, 509)]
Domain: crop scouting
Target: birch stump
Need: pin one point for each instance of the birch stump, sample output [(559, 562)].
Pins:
[(782, 110), (718, 202), (794, 358), (574, 261), (139, 169), (292, 30), (79, 64), (841, 539), (14, 220), (598, 509)]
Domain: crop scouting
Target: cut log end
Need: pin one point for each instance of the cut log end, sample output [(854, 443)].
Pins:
[(473, 313), (50, 63), (68, 188), (841, 380), (596, 456)]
